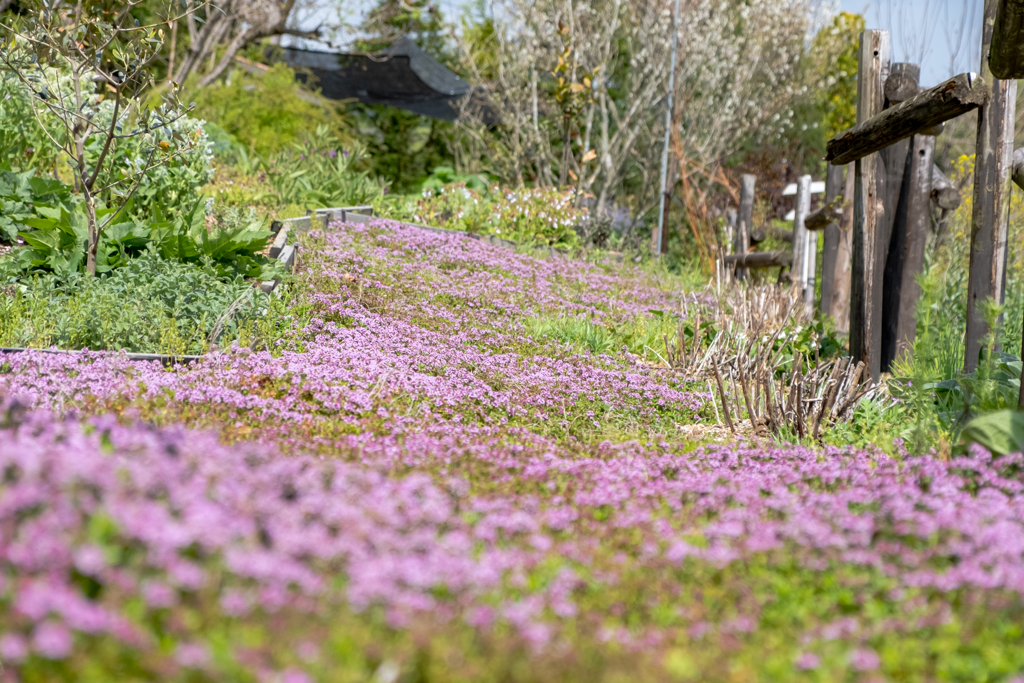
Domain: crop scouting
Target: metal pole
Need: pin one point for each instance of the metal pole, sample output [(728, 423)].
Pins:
[(668, 129)]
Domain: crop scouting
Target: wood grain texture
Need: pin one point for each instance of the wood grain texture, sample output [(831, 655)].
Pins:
[(946, 101), (748, 185), (869, 189), (915, 217), (1006, 53), (839, 308), (990, 211), (830, 248)]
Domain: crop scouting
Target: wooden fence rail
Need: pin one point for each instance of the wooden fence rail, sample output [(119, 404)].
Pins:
[(949, 100)]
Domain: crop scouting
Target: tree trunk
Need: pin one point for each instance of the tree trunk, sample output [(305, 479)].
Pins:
[(93, 232)]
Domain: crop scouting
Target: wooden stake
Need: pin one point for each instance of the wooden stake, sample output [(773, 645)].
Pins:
[(913, 220), (760, 259), (830, 249), (899, 87), (1018, 168), (868, 251), (944, 193), (991, 210), (805, 249), (745, 225), (839, 309)]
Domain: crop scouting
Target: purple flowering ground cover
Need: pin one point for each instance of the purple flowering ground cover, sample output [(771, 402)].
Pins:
[(415, 485)]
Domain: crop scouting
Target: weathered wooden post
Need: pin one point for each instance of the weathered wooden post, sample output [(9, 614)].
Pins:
[(830, 248), (868, 252), (901, 85), (748, 183), (1006, 54), (990, 217), (910, 235), (840, 310), (1018, 178), (804, 250)]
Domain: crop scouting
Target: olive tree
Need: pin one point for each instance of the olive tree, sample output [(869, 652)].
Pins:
[(86, 68)]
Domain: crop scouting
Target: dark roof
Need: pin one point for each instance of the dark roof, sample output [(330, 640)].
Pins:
[(403, 76)]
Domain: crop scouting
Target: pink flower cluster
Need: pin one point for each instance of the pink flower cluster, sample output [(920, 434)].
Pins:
[(455, 502), (450, 341)]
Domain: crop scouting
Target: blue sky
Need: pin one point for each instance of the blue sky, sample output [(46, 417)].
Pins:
[(943, 36)]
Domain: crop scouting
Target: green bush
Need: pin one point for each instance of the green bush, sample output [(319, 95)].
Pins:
[(23, 142), (318, 172), (150, 305), (266, 112)]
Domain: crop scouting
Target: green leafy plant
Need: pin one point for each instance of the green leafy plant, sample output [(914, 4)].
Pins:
[(318, 172), (58, 238), (20, 193), (175, 308), (265, 112)]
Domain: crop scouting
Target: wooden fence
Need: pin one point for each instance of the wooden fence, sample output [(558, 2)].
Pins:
[(876, 219)]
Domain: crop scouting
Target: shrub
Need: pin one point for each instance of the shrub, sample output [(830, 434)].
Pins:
[(19, 195), (267, 112), (150, 305), (319, 172)]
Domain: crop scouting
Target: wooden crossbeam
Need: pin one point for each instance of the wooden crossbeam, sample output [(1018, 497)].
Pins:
[(929, 108), (761, 259), (1018, 168), (825, 216), (1006, 54)]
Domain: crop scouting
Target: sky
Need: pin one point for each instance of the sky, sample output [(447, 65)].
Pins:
[(943, 36)]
